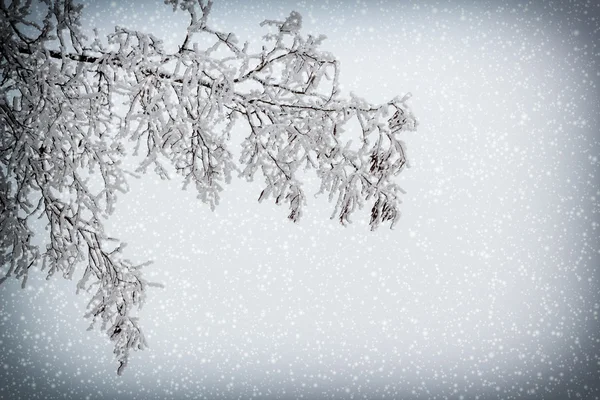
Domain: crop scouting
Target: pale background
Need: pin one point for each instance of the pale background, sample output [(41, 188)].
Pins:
[(488, 285)]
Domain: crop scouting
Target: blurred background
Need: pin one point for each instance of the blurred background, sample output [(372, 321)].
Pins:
[(486, 288)]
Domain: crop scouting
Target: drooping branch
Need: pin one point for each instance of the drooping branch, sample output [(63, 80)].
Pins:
[(62, 138)]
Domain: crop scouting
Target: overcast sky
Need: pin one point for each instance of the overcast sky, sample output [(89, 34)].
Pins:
[(487, 286)]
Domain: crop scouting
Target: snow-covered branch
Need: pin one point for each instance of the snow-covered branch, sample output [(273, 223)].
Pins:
[(62, 139)]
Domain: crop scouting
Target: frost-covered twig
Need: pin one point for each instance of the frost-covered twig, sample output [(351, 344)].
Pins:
[(62, 137)]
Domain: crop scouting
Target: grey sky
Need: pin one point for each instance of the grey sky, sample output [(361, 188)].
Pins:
[(487, 286)]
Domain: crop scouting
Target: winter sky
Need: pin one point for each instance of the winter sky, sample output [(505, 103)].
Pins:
[(488, 286)]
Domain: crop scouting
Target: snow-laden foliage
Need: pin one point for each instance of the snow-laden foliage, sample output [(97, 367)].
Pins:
[(62, 138)]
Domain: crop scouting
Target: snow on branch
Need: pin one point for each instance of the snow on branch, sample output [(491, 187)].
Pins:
[(62, 138)]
